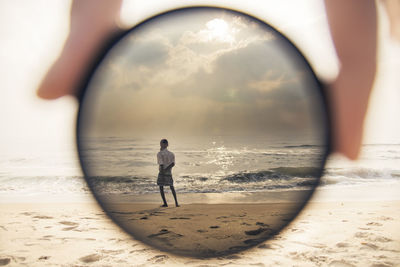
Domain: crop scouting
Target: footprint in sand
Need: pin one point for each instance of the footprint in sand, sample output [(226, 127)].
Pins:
[(90, 258), (366, 245), (179, 218), (297, 230), (374, 224), (157, 213), (162, 232), (340, 263), (112, 252), (361, 235), (21, 258), (255, 232), (30, 244), (232, 257), (383, 264), (88, 218), (237, 248), (265, 246), (165, 232), (42, 217), (122, 212), (385, 218), (342, 245), (253, 241), (165, 236), (382, 239), (313, 245), (46, 237), (4, 261), (372, 237), (27, 213), (69, 228), (260, 264), (69, 223), (158, 258)]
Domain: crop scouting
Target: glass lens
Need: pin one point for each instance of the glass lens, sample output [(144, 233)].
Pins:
[(245, 121)]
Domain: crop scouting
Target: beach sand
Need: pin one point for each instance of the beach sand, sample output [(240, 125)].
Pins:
[(326, 233), (203, 230)]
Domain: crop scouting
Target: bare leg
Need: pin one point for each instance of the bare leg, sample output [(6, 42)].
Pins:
[(174, 194), (163, 196)]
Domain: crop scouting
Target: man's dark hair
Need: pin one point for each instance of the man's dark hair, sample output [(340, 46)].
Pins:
[(164, 141)]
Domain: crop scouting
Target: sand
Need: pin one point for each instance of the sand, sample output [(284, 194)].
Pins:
[(327, 233), (203, 230)]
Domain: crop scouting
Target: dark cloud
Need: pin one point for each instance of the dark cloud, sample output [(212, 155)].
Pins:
[(233, 73)]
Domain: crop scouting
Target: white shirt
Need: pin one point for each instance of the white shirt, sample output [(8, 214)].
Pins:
[(165, 158)]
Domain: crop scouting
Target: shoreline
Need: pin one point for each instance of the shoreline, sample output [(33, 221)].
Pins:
[(376, 192)]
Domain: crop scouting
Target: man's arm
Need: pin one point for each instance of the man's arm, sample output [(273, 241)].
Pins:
[(170, 166)]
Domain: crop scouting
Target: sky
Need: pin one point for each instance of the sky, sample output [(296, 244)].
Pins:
[(218, 73), (33, 32)]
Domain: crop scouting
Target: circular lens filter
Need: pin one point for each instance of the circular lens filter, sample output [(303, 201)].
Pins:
[(244, 116)]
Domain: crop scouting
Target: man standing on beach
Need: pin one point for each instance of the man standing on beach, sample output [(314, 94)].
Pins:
[(165, 160)]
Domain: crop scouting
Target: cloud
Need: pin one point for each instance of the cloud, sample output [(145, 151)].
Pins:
[(227, 76), (238, 75)]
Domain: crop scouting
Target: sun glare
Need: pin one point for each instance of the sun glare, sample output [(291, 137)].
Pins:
[(218, 29)]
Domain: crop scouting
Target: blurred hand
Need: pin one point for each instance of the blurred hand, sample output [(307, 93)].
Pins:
[(353, 29), (92, 22)]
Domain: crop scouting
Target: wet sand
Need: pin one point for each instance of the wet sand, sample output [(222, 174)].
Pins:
[(203, 230)]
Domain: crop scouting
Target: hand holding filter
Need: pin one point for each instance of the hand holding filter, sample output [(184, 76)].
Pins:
[(243, 113)]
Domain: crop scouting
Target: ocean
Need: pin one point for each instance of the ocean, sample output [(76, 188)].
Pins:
[(213, 165)]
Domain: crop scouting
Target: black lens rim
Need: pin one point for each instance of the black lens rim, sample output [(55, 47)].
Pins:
[(113, 40)]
